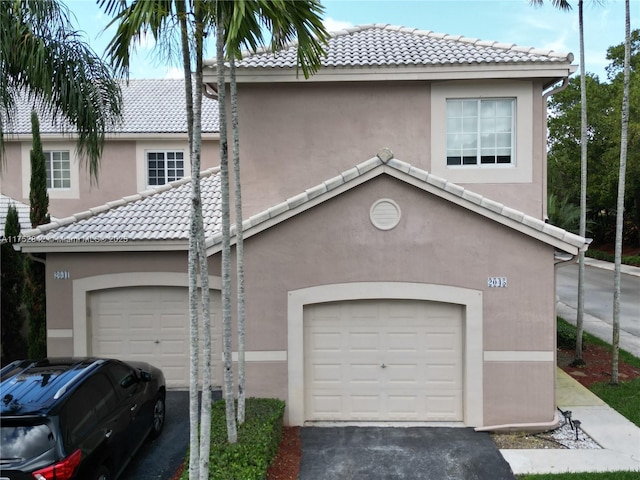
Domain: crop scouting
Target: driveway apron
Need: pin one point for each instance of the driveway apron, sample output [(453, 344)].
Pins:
[(376, 453)]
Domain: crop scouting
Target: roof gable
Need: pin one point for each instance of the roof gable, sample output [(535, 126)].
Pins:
[(159, 218)]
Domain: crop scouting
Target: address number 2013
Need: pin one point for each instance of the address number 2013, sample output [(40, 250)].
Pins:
[(497, 282)]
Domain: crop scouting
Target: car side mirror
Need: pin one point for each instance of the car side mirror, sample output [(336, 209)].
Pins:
[(145, 376)]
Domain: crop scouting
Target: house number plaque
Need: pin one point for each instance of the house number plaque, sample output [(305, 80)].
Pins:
[(497, 282), (61, 275)]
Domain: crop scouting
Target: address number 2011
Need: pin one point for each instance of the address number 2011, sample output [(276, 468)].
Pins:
[(497, 282)]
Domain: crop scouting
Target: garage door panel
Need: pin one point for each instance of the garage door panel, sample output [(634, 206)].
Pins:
[(418, 343), (150, 324)]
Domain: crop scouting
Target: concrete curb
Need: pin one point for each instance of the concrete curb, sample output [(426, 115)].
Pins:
[(626, 269)]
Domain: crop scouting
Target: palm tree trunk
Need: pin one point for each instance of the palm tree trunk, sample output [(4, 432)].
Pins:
[(232, 434), (239, 239), (578, 360), (194, 446), (620, 205)]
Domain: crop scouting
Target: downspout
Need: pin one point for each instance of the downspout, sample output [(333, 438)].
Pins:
[(545, 97)]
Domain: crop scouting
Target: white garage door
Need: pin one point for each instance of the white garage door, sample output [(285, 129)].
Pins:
[(150, 324), (383, 360)]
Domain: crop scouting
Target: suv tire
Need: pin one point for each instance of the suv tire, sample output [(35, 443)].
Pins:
[(158, 417)]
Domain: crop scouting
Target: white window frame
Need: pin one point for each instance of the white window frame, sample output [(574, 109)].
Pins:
[(527, 101), (63, 180), (167, 177), (474, 133)]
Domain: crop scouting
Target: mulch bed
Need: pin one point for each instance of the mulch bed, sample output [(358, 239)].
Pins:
[(597, 368)]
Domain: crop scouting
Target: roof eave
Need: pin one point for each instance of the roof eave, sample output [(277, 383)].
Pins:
[(548, 70)]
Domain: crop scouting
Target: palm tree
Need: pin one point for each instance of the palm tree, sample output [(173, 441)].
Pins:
[(43, 57), (287, 21), (621, 187), (564, 5), (183, 24)]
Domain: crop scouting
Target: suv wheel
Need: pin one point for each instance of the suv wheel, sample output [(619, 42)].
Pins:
[(102, 474), (158, 416)]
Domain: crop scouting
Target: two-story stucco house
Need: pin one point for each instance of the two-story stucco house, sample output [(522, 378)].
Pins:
[(148, 148), (398, 264)]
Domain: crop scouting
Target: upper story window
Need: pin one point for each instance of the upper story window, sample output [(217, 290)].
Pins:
[(164, 166), (58, 168), (480, 132)]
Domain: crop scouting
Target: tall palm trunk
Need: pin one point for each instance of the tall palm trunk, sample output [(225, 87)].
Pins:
[(239, 238), (621, 188), (232, 434), (578, 360), (194, 445)]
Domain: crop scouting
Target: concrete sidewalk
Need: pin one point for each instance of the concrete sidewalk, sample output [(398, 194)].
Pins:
[(618, 437)]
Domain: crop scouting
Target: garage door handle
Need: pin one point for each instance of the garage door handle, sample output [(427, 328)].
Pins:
[(383, 366)]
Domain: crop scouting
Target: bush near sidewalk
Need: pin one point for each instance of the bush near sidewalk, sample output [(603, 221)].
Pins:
[(258, 441)]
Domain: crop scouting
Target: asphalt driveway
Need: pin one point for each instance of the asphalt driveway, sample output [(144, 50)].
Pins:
[(376, 453), (159, 459)]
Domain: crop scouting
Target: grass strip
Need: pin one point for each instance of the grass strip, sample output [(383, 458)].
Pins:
[(626, 475)]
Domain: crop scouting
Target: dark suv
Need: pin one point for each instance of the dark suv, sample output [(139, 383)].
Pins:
[(76, 418)]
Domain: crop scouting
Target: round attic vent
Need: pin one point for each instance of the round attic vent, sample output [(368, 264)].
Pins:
[(385, 214)]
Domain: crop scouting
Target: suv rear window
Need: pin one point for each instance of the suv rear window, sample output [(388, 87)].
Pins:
[(25, 441)]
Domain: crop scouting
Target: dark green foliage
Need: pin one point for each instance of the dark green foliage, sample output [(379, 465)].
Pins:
[(563, 214), (604, 102), (35, 302), (35, 298), (38, 196), (566, 334), (258, 441), (12, 280), (609, 257)]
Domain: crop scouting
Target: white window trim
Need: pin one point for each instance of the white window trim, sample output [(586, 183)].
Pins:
[(73, 192), (50, 178), (512, 133), (521, 171), (142, 147)]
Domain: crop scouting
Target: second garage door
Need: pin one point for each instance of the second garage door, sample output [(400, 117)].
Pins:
[(383, 360), (150, 324)]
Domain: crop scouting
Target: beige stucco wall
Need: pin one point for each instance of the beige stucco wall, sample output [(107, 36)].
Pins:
[(122, 171), (434, 243), (297, 135), (335, 243)]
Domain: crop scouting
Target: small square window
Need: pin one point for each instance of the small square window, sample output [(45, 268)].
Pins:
[(164, 167)]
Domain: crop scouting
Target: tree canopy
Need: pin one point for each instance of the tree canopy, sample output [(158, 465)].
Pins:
[(43, 58), (604, 113)]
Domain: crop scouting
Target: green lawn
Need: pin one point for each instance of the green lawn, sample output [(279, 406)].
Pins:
[(584, 476), (624, 398)]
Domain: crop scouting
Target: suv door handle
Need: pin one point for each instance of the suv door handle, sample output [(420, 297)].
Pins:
[(133, 407), (108, 433)]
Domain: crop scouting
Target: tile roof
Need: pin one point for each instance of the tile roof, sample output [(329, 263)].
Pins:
[(150, 106), (160, 213), (23, 213), (163, 213), (385, 45)]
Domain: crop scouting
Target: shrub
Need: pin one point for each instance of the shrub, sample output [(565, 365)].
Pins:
[(258, 441), (566, 334)]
